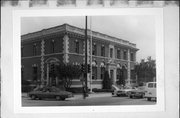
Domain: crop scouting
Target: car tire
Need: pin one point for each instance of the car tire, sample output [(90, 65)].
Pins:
[(149, 99), (131, 96), (58, 97), (33, 97)]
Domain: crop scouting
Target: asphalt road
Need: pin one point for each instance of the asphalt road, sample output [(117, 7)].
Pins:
[(90, 101)]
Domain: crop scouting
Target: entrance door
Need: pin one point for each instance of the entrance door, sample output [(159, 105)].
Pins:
[(52, 75), (111, 74)]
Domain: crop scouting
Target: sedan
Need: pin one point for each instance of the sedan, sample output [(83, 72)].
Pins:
[(49, 92), (136, 93), (121, 92)]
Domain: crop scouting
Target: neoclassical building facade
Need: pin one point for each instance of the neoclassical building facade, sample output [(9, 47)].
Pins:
[(66, 44)]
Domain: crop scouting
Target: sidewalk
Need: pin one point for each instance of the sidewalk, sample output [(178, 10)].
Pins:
[(80, 96)]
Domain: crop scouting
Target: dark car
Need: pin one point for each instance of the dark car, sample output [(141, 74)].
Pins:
[(49, 92), (136, 93)]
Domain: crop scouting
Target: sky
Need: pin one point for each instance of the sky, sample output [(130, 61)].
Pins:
[(136, 29)]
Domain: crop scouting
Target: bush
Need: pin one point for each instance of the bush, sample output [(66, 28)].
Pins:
[(102, 90), (75, 90)]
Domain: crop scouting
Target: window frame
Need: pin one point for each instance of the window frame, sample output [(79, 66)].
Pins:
[(52, 46), (103, 50), (111, 52), (76, 46), (94, 49), (34, 49), (118, 54)]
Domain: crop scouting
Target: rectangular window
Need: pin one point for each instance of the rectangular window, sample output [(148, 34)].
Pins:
[(35, 73), (76, 46), (111, 52), (94, 49), (52, 46), (102, 50), (94, 73), (125, 55), (34, 50), (118, 54), (132, 56)]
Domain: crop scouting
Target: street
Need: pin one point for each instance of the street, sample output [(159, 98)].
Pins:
[(92, 100)]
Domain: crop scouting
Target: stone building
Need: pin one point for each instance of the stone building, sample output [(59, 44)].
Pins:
[(65, 44)]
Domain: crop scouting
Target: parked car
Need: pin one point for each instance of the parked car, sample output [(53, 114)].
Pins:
[(121, 92), (150, 91), (49, 92), (136, 93)]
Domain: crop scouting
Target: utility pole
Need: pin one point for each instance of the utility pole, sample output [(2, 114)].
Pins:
[(91, 54), (85, 74)]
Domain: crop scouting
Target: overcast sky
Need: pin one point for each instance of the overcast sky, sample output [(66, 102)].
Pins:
[(136, 29)]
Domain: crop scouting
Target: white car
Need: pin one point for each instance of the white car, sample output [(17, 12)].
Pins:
[(121, 92), (150, 91)]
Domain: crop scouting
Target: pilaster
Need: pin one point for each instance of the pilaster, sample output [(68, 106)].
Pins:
[(42, 60), (66, 49), (128, 69)]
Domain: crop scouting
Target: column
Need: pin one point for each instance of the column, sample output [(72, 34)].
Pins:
[(66, 49), (128, 69), (42, 61)]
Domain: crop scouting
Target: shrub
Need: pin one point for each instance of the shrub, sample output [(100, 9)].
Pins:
[(75, 90)]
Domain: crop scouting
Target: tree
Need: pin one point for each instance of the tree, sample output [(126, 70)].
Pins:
[(107, 83), (67, 72), (146, 70)]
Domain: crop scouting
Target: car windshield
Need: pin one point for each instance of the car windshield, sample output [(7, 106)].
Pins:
[(115, 87)]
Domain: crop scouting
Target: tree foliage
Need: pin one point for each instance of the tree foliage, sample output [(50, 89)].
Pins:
[(107, 83), (67, 72), (146, 70)]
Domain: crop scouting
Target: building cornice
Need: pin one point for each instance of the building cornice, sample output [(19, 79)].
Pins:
[(79, 31)]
